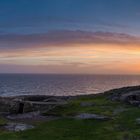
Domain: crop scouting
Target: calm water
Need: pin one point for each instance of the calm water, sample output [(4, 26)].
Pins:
[(21, 84)]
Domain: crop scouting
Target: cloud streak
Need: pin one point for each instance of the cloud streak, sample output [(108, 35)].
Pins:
[(70, 52), (67, 37)]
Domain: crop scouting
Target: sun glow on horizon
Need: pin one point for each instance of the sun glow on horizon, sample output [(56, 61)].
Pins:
[(80, 58)]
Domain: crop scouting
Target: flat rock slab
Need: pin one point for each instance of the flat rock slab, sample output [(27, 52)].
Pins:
[(91, 116), (24, 116), (30, 117), (28, 103), (16, 127)]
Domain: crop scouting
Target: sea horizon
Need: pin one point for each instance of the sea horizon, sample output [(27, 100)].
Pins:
[(62, 84)]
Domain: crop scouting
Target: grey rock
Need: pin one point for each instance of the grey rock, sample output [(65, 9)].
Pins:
[(138, 120), (29, 115), (30, 103), (129, 95), (18, 127), (135, 103), (91, 116), (113, 98)]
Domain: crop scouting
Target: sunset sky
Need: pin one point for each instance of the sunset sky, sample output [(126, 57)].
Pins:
[(70, 36)]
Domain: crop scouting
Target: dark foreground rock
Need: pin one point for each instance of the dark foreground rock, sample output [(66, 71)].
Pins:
[(25, 104), (129, 95), (30, 115), (34, 103)]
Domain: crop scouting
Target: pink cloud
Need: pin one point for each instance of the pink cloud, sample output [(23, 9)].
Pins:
[(64, 37)]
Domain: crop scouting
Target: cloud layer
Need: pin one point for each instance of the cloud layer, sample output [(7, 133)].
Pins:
[(66, 37), (70, 52)]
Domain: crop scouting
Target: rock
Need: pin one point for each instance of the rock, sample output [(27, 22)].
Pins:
[(119, 110), (17, 127), (87, 104), (129, 95), (135, 103), (29, 115), (30, 103), (138, 120), (91, 116), (113, 98)]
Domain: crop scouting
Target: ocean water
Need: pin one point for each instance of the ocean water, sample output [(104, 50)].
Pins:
[(62, 85)]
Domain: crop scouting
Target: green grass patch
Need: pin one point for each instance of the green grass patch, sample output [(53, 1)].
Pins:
[(101, 105), (122, 126)]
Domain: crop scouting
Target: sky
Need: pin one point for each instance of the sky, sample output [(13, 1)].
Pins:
[(70, 36)]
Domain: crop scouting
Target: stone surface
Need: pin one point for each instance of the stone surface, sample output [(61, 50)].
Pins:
[(31, 103), (138, 120), (24, 116), (129, 95), (17, 127), (91, 116)]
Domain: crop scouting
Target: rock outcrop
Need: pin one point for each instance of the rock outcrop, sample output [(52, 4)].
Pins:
[(91, 116), (16, 127), (24, 104), (129, 95)]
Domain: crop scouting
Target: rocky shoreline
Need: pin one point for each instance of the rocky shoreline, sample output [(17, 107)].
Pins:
[(32, 103), (30, 108), (129, 95), (24, 104)]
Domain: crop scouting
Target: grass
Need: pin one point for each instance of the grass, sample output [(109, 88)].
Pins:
[(102, 106), (3, 121), (122, 126)]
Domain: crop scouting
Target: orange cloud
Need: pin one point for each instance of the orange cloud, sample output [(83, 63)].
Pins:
[(90, 58), (74, 52)]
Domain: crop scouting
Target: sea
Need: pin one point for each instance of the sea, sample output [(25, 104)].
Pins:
[(62, 85)]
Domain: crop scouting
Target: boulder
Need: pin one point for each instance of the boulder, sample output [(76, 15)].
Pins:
[(31, 103), (131, 95), (17, 127)]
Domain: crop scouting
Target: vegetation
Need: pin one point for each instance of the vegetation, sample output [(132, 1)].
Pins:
[(121, 126)]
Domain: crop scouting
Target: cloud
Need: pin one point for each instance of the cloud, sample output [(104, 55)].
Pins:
[(66, 37), (108, 54)]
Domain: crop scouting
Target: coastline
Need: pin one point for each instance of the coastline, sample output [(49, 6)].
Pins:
[(29, 102), (121, 89), (109, 111)]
